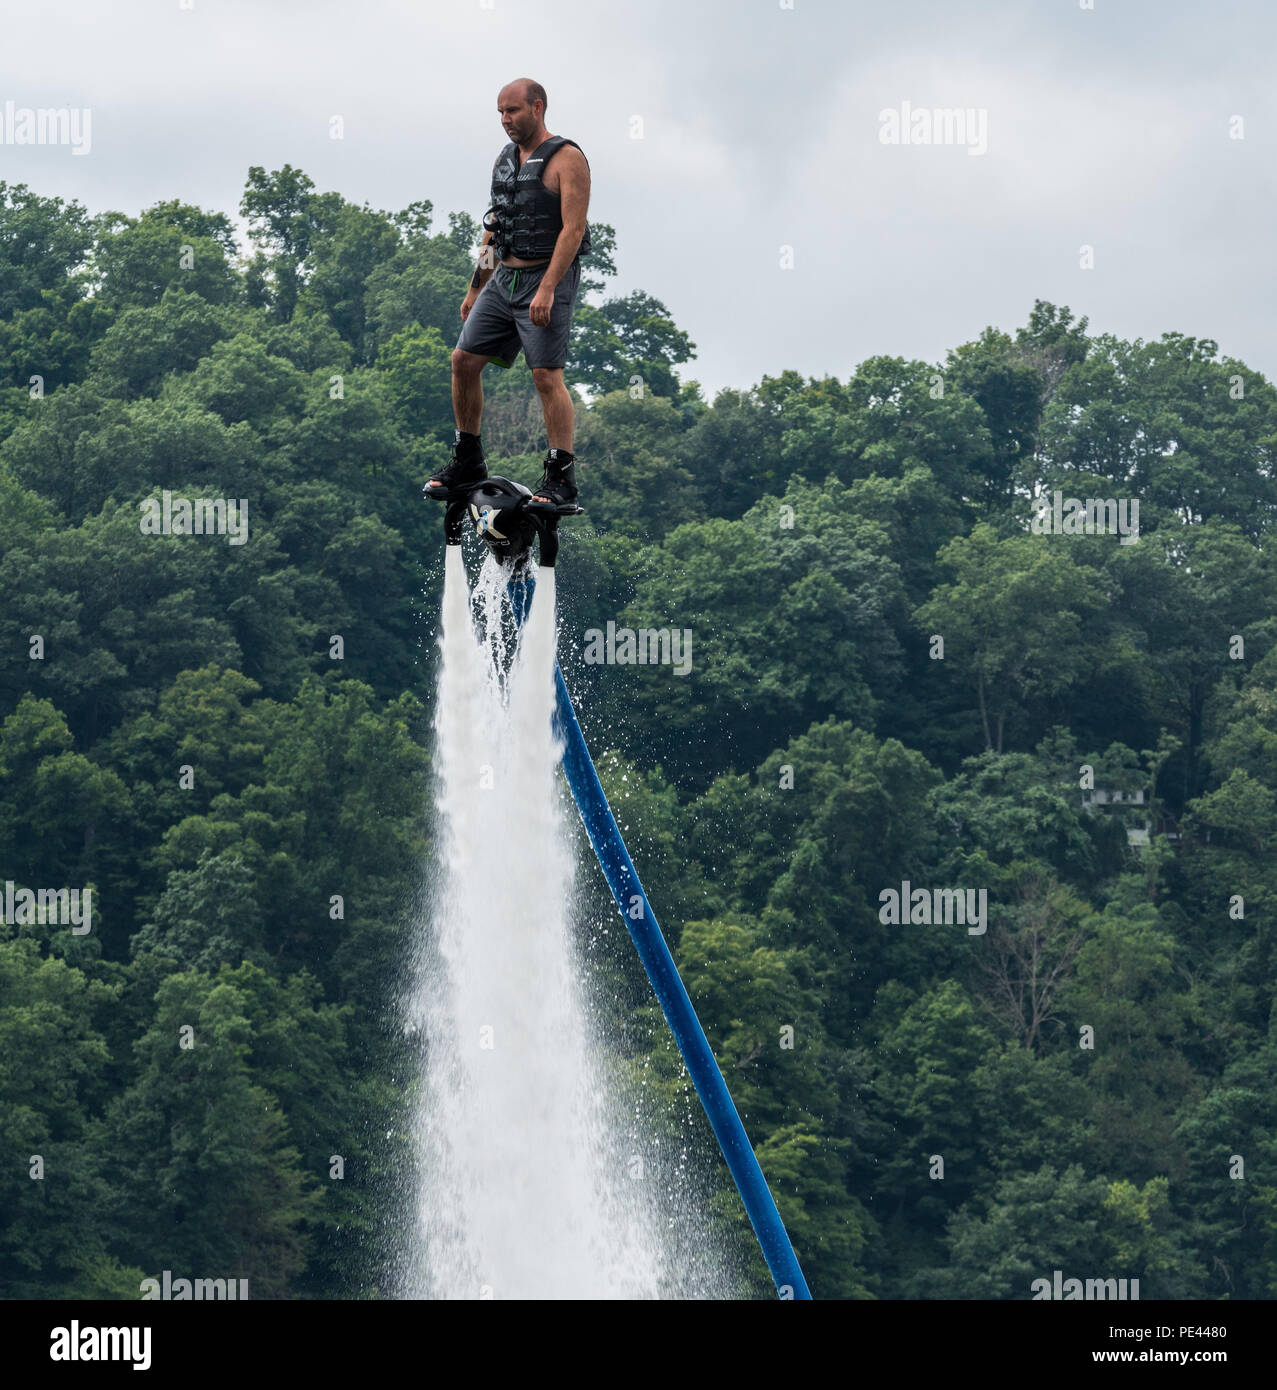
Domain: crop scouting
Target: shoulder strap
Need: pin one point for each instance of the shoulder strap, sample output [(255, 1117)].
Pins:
[(564, 139), (542, 154), (549, 147)]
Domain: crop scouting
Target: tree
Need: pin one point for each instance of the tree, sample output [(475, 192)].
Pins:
[(1190, 593), (600, 265), (628, 343), (1013, 621), (347, 244), (42, 240), (170, 246), (733, 454), (53, 1071), (417, 364), (759, 597), (1009, 391), (894, 414), (63, 817), (149, 342), (924, 1085), (1166, 422), (1123, 990), (206, 917), (1051, 343), (204, 1177), (1036, 1223), (281, 221), (1031, 955), (1229, 1210), (1145, 1241)]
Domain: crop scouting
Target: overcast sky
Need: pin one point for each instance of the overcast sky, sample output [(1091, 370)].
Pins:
[(761, 128)]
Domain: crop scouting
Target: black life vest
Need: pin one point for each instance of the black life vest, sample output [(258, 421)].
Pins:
[(525, 217)]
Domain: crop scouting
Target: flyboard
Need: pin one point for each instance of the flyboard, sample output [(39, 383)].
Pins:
[(508, 521)]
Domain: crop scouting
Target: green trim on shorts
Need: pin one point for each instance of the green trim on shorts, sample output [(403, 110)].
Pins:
[(500, 362)]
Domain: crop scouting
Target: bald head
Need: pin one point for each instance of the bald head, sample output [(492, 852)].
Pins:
[(521, 105), (525, 90)]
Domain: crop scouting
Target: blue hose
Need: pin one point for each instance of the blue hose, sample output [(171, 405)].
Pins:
[(698, 1057)]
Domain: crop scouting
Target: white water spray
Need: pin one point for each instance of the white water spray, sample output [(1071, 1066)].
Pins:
[(524, 1190)]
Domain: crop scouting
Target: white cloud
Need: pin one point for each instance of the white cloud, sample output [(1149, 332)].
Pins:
[(760, 128)]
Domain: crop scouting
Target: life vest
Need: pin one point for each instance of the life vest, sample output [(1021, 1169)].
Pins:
[(526, 217)]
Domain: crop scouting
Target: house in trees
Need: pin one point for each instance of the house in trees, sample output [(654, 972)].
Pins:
[(1138, 827)]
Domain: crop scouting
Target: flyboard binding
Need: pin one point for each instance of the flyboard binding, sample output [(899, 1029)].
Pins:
[(505, 518)]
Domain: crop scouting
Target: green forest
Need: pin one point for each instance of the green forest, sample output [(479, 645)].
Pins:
[(895, 679)]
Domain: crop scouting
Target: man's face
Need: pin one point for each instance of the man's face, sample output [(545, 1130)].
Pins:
[(518, 118)]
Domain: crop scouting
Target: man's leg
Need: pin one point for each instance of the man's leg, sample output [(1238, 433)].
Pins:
[(467, 406), (548, 344), (467, 389), (556, 406)]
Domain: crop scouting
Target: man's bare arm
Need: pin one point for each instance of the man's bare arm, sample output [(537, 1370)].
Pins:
[(574, 203)]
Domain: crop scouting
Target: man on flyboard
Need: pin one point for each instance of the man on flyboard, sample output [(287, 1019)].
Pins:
[(537, 231)]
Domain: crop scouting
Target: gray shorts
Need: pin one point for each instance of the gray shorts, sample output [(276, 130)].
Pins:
[(498, 324)]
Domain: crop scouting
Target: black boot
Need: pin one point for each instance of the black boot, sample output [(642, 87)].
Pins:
[(558, 482), (468, 467)]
